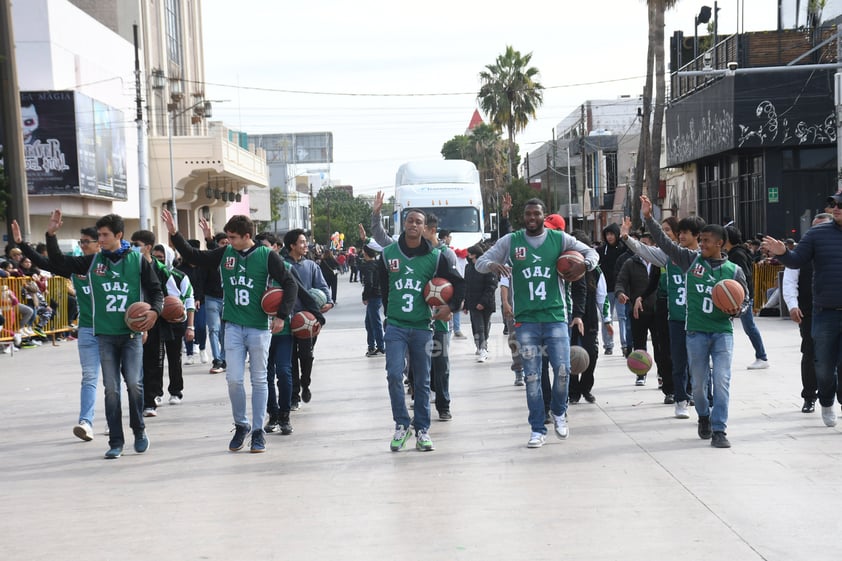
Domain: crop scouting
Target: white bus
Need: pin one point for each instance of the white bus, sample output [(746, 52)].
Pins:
[(448, 188)]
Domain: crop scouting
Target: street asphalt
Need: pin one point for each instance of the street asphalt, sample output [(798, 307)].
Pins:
[(631, 483)]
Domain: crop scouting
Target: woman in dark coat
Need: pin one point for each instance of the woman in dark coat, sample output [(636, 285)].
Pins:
[(479, 301)]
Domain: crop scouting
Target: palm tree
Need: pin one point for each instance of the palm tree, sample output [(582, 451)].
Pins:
[(510, 95), (649, 150)]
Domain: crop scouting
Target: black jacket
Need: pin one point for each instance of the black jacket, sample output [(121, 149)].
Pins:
[(608, 255), (369, 278), (633, 280), (742, 258), (479, 289)]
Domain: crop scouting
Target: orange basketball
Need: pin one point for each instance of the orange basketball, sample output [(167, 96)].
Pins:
[(571, 265), (173, 310), (271, 300), (438, 291), (304, 325), (728, 294), (136, 314)]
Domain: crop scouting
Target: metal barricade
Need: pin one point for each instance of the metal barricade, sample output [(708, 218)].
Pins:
[(765, 277), (56, 296)]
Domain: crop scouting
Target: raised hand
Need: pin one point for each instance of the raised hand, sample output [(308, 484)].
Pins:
[(645, 206), (16, 232), (55, 222), (506, 206), (773, 246), (361, 230), (625, 227), (205, 226), (169, 221), (378, 202)]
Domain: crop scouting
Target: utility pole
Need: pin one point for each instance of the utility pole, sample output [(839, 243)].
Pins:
[(837, 99), (142, 142), (13, 155)]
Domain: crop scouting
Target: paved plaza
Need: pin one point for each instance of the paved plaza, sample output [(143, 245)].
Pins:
[(631, 482)]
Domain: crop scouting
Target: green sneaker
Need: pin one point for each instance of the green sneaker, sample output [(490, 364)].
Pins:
[(423, 442), (399, 439)]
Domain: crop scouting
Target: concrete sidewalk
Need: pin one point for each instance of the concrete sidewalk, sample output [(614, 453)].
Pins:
[(630, 483)]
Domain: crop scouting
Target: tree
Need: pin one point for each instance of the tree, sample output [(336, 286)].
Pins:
[(648, 164), (276, 201), (335, 210), (486, 150), (510, 95)]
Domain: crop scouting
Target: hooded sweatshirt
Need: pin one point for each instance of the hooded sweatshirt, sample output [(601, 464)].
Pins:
[(608, 255)]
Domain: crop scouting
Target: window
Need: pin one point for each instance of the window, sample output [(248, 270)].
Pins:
[(172, 10)]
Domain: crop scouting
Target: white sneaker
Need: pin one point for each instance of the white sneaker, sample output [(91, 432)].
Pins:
[(682, 409), (190, 360), (829, 416), (536, 440), (16, 339), (159, 400), (203, 356), (175, 400), (562, 431), (759, 364), (483, 356), (149, 412), (84, 431), (6, 349)]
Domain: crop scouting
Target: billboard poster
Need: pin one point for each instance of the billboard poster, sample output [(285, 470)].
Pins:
[(73, 145), (49, 137)]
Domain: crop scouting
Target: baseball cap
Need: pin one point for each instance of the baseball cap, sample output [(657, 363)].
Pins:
[(554, 222), (837, 198)]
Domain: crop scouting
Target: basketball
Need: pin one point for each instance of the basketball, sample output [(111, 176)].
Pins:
[(571, 265), (318, 296), (728, 294), (136, 314), (304, 325), (639, 362), (579, 360), (173, 310), (271, 300), (438, 291)]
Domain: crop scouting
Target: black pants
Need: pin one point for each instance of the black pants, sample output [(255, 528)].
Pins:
[(302, 365), (481, 326), (440, 369), (154, 351), (661, 346), (583, 383)]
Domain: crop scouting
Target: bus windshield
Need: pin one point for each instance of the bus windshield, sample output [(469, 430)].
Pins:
[(455, 219)]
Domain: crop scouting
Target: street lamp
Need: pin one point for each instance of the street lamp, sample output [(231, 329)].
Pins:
[(204, 110), (703, 17)]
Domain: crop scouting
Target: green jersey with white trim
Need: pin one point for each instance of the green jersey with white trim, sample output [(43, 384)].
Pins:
[(114, 286), (702, 315), (406, 306), (536, 286), (244, 280)]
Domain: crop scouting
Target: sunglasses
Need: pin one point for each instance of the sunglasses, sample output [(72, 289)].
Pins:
[(833, 204), (86, 242)]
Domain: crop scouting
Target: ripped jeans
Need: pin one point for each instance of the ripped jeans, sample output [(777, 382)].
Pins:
[(535, 340)]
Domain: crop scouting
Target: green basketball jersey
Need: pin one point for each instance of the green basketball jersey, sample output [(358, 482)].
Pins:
[(287, 330), (702, 315), (244, 280), (114, 287), (536, 286), (82, 286), (676, 293), (406, 306)]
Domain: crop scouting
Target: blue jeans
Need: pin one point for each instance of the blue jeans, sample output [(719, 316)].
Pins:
[(122, 354), (416, 342), (623, 323), (753, 333), (279, 366), (827, 337), (239, 342), (201, 333), (88, 348), (373, 324), (457, 322), (535, 340), (216, 328), (678, 350), (702, 350)]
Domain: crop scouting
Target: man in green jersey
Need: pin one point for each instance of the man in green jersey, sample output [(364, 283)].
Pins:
[(541, 309), (405, 269), (118, 277), (246, 269), (710, 335), (87, 344)]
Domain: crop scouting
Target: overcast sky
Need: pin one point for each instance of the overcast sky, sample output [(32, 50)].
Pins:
[(393, 83)]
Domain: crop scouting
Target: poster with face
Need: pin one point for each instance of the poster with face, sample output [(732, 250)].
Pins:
[(49, 134)]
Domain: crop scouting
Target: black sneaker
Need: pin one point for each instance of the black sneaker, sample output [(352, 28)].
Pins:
[(589, 397), (548, 418), (285, 425), (704, 428), (669, 399), (240, 432), (371, 352), (609, 351), (445, 415), (258, 441), (809, 406), (141, 442), (273, 425), (573, 399), (719, 440), (294, 405), (306, 396)]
